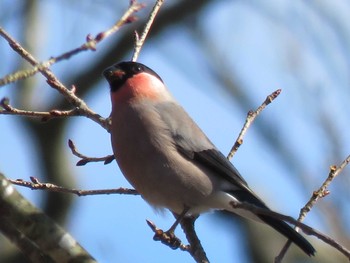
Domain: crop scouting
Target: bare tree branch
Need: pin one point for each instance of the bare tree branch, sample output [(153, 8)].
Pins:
[(53, 81), (163, 236), (7, 109), (250, 119), (85, 159), (35, 184), (18, 215), (139, 41), (320, 193), (90, 44), (196, 249)]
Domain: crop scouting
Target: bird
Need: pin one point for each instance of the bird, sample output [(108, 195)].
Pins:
[(168, 159)]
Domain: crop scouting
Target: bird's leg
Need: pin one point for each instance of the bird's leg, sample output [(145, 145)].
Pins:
[(178, 220), (168, 237)]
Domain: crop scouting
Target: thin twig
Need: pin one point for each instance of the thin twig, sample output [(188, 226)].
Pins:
[(322, 191), (35, 184), (90, 44), (316, 195), (7, 109), (85, 159), (305, 228), (53, 81), (139, 41), (249, 120)]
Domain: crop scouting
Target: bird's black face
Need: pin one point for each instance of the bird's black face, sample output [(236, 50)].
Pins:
[(119, 73)]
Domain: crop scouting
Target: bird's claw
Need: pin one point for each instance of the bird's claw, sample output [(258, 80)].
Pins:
[(167, 238)]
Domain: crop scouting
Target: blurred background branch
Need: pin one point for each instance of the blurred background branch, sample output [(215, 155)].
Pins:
[(38, 236)]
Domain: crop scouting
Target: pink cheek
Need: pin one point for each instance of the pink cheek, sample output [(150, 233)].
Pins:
[(121, 96), (137, 87)]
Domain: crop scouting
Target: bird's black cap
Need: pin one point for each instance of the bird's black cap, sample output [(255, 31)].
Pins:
[(117, 74)]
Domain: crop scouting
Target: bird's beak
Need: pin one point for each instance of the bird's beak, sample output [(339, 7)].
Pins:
[(113, 73)]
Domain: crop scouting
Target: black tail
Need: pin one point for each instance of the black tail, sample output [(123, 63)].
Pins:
[(279, 225), (290, 233)]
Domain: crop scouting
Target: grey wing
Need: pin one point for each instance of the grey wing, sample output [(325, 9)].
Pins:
[(198, 148)]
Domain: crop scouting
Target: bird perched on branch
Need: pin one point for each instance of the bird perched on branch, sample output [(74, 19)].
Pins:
[(168, 159)]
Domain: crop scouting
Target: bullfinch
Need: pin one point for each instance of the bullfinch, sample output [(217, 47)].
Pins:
[(168, 159)]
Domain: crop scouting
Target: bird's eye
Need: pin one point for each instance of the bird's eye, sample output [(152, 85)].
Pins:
[(138, 68)]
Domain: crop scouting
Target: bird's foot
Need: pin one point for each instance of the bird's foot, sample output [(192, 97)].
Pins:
[(166, 237)]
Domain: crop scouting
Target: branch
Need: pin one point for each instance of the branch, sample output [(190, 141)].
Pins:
[(322, 191), (28, 248), (35, 184), (175, 13), (167, 239), (80, 106), (7, 109), (305, 228), (90, 44), (195, 249), (316, 195), (36, 229), (85, 159), (139, 41), (53, 81), (250, 119)]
